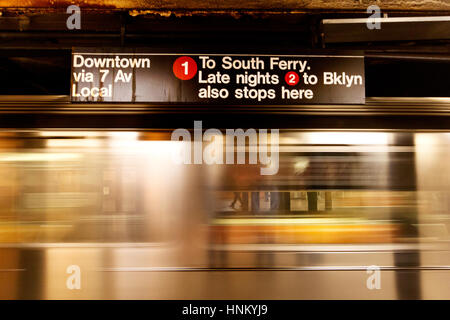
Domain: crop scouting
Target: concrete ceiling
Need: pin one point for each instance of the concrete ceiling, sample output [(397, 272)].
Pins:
[(296, 5)]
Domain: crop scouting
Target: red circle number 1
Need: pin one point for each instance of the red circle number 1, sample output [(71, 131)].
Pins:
[(185, 68)]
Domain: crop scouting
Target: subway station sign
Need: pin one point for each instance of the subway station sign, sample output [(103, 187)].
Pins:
[(233, 79)]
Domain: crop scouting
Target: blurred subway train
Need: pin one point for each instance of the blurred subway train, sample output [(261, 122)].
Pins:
[(112, 204)]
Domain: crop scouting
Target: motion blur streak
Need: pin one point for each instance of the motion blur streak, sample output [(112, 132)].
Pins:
[(140, 226)]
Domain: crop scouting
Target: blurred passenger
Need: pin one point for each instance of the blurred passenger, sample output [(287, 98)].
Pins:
[(237, 198), (255, 202), (274, 201), (238, 181)]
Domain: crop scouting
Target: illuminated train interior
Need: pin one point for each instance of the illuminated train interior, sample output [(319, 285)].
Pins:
[(341, 200)]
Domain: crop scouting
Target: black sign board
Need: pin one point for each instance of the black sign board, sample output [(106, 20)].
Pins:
[(234, 79)]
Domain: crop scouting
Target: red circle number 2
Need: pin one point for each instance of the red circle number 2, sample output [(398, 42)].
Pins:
[(292, 78), (185, 68)]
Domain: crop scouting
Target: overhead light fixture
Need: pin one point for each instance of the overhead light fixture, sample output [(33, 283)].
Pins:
[(391, 29)]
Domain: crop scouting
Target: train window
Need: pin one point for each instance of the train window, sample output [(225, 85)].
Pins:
[(87, 187), (332, 187)]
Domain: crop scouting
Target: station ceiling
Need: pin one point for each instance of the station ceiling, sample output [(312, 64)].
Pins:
[(300, 5), (231, 23)]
